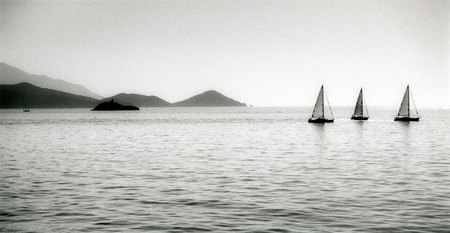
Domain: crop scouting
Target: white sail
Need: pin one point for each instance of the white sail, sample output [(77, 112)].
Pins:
[(414, 113), (318, 111), (359, 105), (404, 107)]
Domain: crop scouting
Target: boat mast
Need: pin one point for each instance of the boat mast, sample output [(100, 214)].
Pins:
[(323, 106), (362, 103), (407, 90)]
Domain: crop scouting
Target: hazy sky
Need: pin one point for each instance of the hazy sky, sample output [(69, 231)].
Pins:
[(265, 53)]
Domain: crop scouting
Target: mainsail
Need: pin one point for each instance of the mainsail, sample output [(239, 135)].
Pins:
[(318, 111), (404, 107), (359, 105)]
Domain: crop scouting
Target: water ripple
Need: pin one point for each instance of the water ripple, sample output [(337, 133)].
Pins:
[(222, 170)]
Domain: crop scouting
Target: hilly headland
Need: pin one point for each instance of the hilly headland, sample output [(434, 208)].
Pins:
[(19, 89)]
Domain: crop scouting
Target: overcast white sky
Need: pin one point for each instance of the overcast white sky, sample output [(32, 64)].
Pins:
[(265, 53)]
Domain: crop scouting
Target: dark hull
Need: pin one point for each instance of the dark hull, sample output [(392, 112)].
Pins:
[(320, 120), (407, 119), (360, 118)]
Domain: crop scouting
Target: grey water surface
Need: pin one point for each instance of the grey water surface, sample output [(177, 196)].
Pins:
[(223, 170)]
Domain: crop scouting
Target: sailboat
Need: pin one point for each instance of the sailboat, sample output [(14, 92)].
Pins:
[(358, 114), (404, 113), (318, 115)]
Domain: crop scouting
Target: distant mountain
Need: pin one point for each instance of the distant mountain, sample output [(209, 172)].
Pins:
[(208, 99), (138, 100), (12, 75), (25, 95)]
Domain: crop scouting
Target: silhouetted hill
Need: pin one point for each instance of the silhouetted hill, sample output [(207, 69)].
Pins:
[(113, 106), (139, 100), (12, 75), (25, 95), (208, 99)]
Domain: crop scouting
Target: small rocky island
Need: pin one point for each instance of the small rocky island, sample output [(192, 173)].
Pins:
[(113, 106)]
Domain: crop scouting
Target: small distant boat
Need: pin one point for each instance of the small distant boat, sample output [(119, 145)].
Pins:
[(358, 114), (318, 115), (25, 107), (404, 113)]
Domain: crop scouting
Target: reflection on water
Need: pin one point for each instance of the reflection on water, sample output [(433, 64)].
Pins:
[(222, 169)]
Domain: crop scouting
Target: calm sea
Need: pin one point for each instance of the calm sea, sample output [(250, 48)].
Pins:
[(223, 170)]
